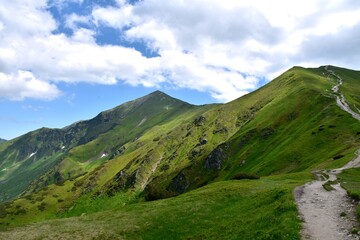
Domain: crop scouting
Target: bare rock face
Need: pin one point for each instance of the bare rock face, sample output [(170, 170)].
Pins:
[(179, 183), (199, 121), (215, 159)]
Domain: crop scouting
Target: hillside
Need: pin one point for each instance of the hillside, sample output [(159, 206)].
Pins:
[(45, 151), (2, 140), (158, 147)]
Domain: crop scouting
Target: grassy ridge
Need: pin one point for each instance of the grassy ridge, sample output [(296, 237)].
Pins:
[(245, 209), (45, 156), (292, 124), (288, 127), (307, 132), (350, 87)]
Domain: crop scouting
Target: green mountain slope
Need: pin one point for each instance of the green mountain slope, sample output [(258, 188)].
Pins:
[(45, 152), (222, 210), (287, 128), (290, 125)]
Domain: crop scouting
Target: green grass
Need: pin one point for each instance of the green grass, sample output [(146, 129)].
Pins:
[(350, 180), (327, 185), (350, 87), (90, 204), (291, 125), (237, 209)]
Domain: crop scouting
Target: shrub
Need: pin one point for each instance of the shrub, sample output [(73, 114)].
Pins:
[(327, 186), (39, 198), (338, 157), (3, 211), (354, 195), (240, 176), (41, 207)]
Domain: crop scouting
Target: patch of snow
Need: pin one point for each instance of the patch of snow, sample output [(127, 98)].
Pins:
[(142, 121), (5, 169), (32, 154), (62, 147), (104, 155)]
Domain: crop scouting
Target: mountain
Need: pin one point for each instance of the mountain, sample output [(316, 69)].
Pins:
[(158, 147), (2, 140), (42, 152)]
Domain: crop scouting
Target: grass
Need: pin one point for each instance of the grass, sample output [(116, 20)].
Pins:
[(327, 186), (350, 86), (350, 180), (245, 209), (91, 204), (289, 126)]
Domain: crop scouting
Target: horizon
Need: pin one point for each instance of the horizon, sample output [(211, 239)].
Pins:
[(149, 93), (64, 61)]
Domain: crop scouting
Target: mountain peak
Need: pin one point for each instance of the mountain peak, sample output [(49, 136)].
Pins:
[(156, 97), (157, 93), (2, 140)]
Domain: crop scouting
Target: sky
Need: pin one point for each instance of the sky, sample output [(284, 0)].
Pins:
[(62, 61)]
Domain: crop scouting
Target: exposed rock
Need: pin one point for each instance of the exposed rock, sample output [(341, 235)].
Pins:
[(246, 138), (118, 152), (215, 159), (179, 183), (203, 141), (120, 175), (199, 121), (220, 130), (291, 116), (130, 182), (58, 177), (164, 167), (266, 132), (194, 153)]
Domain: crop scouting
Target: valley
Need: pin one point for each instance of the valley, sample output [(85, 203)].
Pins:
[(158, 167)]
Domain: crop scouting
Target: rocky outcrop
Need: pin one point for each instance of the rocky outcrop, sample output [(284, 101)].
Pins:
[(179, 184), (199, 121), (215, 159)]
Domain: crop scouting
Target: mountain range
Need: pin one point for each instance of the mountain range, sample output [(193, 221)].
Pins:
[(258, 147)]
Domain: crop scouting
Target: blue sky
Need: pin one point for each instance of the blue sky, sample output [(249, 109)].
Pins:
[(66, 60)]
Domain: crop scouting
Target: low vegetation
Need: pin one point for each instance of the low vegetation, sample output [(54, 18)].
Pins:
[(247, 209), (228, 170), (327, 185), (350, 180)]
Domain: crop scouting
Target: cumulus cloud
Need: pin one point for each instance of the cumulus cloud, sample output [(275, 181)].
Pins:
[(23, 84), (214, 46)]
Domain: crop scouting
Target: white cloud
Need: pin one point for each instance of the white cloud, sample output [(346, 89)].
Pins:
[(215, 46), (73, 20), (113, 16), (23, 85)]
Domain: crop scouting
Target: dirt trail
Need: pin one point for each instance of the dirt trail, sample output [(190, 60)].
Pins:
[(329, 215), (340, 98)]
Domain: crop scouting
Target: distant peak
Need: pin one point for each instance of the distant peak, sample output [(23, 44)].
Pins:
[(157, 93)]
